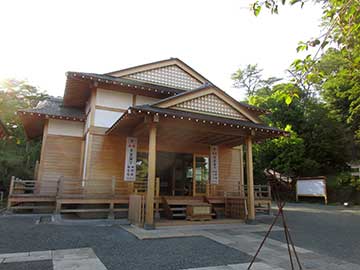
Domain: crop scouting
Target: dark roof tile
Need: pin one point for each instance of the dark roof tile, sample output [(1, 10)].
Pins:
[(54, 107)]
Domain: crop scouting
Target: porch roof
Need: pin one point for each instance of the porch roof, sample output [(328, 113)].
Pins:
[(233, 129)]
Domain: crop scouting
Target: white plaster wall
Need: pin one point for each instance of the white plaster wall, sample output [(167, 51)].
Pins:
[(105, 118), (113, 99), (66, 128), (140, 100)]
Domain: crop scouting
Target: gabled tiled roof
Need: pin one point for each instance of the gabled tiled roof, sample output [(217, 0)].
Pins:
[(161, 63), (54, 107)]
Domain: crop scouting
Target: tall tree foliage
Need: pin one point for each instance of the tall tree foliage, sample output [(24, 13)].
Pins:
[(318, 143), (17, 154), (336, 71), (325, 114), (250, 78)]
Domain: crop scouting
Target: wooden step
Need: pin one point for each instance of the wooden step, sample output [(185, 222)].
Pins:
[(180, 202), (91, 210), (179, 215), (30, 207), (178, 208)]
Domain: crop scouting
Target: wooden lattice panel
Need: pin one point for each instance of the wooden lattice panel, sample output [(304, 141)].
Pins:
[(171, 76), (210, 104)]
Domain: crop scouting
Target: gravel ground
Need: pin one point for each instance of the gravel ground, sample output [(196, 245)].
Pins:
[(114, 246), (35, 265), (328, 230)]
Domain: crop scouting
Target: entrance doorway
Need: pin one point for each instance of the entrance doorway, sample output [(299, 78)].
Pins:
[(176, 173)]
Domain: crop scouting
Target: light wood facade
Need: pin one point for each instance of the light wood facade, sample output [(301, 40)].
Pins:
[(172, 126)]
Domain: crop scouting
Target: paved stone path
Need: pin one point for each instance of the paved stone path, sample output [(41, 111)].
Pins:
[(73, 246), (246, 238), (241, 266), (65, 259)]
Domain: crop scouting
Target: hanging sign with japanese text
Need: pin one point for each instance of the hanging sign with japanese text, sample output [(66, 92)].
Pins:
[(130, 161), (214, 167)]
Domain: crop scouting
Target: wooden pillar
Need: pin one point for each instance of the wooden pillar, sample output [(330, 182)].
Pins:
[(242, 175), (250, 179), (157, 194), (12, 183), (149, 218)]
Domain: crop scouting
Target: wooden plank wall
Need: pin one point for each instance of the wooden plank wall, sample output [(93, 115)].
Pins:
[(61, 157), (167, 145), (107, 159), (229, 168)]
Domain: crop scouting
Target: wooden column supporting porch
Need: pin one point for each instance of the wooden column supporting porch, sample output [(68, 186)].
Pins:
[(149, 217), (250, 179), (242, 175)]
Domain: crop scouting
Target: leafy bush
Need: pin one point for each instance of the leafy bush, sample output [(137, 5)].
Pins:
[(344, 179)]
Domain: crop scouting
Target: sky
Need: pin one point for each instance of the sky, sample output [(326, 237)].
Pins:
[(41, 40)]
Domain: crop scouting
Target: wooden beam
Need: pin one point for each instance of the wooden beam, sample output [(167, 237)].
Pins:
[(228, 140), (149, 217), (139, 129), (106, 108), (250, 179), (193, 126)]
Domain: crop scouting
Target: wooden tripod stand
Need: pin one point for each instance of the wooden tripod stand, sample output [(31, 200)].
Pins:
[(278, 188)]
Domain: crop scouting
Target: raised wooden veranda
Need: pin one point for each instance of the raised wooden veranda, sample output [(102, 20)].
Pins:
[(104, 197)]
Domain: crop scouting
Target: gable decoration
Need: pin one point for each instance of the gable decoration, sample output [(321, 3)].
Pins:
[(171, 76), (211, 104)]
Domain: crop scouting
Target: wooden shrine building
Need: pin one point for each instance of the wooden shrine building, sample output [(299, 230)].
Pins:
[(156, 138)]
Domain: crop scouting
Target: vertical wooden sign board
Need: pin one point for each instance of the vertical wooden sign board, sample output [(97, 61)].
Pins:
[(130, 160), (214, 164)]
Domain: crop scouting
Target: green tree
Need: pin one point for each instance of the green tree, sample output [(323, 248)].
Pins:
[(336, 72), (250, 78), (17, 154), (318, 143)]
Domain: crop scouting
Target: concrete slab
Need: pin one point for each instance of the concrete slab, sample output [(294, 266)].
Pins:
[(79, 264), (66, 259), (10, 255), (70, 254)]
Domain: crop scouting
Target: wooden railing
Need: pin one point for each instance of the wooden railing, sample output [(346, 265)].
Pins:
[(20, 186), (140, 186), (90, 187), (261, 192)]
